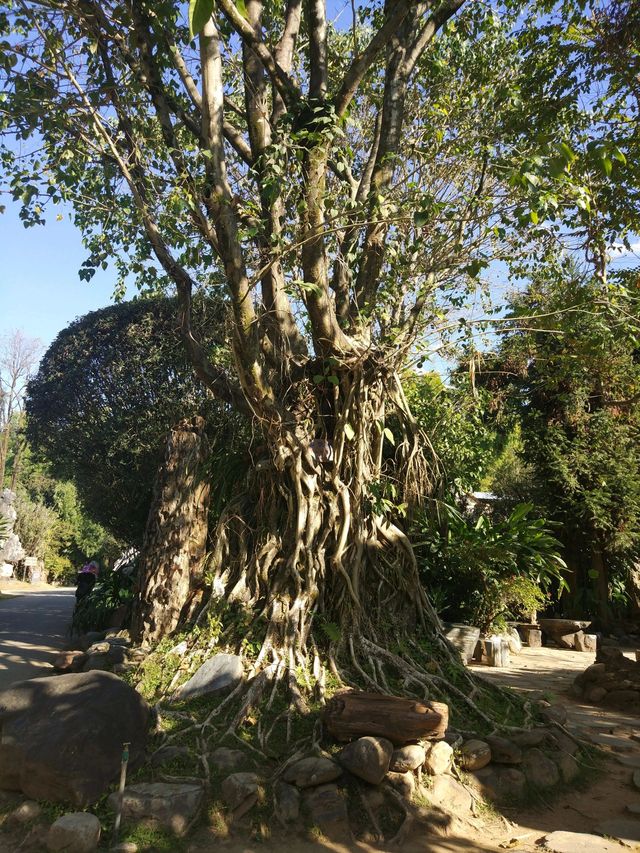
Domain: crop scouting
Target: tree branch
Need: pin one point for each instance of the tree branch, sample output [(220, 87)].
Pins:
[(284, 85), (362, 63)]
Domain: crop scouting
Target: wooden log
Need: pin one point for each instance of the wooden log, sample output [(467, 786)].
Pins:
[(353, 714)]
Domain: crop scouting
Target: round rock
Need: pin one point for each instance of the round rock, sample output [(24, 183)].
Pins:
[(540, 770), (309, 772), (474, 755), (439, 758), (407, 758), (503, 750), (77, 832), (368, 758)]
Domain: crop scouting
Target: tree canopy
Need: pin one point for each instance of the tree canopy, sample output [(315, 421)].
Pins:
[(108, 391)]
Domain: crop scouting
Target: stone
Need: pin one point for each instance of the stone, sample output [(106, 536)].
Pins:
[(172, 805), (310, 772), (474, 755), (540, 770), (328, 811), (116, 654), (368, 758), (633, 808), (511, 782), (594, 672), (77, 832), (622, 699), (219, 675), (439, 758), (618, 744), (225, 759), (624, 829), (635, 778), (503, 750), (69, 661), (287, 802), (596, 694), (239, 788), (62, 736), (567, 641), (629, 760), (449, 794), (125, 847), (96, 662), (168, 753), (514, 641), (98, 649), (554, 714), (404, 783), (525, 739), (586, 642), (562, 742), (91, 637), (568, 767), (25, 812), (180, 650), (407, 758), (578, 842)]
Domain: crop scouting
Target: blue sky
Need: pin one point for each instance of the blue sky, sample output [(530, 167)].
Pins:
[(40, 291)]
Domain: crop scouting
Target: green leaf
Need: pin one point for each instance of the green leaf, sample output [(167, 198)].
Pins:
[(333, 380), (199, 13), (420, 218), (242, 8), (533, 216), (607, 164), (349, 431), (389, 436), (318, 379), (569, 155)]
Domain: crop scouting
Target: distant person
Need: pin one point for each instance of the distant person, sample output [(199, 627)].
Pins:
[(86, 580)]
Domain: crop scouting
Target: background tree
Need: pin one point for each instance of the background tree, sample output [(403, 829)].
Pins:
[(343, 188), (573, 377), (19, 357), (52, 523), (108, 391)]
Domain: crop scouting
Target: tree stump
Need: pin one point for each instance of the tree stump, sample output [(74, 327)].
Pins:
[(355, 714)]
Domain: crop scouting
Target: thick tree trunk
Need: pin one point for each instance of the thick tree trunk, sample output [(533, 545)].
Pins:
[(176, 534)]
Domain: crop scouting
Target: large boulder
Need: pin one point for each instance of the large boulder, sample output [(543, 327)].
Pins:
[(61, 737)]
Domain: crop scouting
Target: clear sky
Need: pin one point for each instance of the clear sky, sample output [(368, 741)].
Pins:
[(40, 291)]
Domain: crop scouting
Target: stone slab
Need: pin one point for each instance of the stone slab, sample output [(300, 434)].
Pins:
[(579, 842), (625, 829), (629, 761), (619, 744)]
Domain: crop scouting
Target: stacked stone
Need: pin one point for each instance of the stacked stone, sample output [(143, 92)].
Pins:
[(612, 681)]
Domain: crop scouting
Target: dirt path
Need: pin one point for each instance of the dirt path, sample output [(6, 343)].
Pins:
[(33, 627), (549, 673)]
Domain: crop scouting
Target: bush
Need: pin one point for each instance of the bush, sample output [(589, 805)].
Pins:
[(484, 571), (113, 591)]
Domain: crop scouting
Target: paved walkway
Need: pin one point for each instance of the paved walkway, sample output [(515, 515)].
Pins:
[(33, 627)]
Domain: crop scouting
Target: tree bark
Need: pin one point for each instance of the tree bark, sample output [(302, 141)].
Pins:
[(176, 534)]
